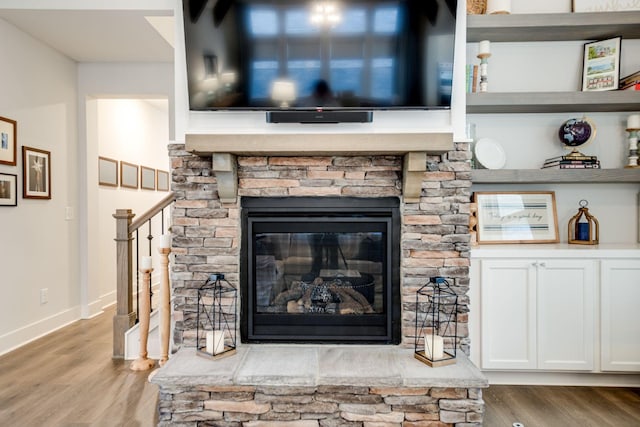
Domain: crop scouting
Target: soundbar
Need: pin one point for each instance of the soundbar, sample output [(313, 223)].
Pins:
[(296, 116)]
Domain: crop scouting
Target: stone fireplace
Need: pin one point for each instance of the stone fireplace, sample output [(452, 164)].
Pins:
[(291, 265)]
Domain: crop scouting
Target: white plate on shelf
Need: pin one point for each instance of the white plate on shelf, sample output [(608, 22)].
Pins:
[(490, 154)]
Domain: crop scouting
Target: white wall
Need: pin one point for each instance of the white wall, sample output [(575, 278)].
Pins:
[(134, 131), (38, 247), (101, 81)]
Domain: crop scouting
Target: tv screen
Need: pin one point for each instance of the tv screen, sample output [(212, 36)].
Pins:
[(311, 54)]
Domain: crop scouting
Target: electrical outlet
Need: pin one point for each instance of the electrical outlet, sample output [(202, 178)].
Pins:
[(44, 295)]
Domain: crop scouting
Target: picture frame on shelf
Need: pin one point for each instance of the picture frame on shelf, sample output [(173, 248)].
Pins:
[(128, 175), (8, 141), (8, 189), (162, 180), (147, 178), (604, 5), (107, 172), (516, 217), (601, 65), (36, 173)]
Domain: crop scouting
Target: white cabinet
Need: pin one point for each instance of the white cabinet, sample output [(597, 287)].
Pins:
[(620, 315), (537, 314)]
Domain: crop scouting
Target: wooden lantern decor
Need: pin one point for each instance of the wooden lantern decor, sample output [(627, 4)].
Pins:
[(583, 227)]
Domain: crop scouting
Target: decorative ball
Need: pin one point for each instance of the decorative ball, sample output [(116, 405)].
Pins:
[(576, 132)]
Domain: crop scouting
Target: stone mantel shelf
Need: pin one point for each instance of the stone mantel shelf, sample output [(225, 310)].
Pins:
[(319, 144), (311, 365)]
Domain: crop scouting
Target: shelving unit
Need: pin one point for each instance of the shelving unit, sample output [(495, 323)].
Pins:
[(554, 176), (553, 26)]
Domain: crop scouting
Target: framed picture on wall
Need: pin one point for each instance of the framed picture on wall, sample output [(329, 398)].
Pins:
[(8, 189), (517, 217), (107, 172), (36, 173), (128, 175), (147, 178), (601, 67), (8, 130), (162, 180)]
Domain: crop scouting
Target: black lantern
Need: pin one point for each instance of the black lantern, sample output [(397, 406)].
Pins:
[(436, 323), (216, 318), (583, 228)]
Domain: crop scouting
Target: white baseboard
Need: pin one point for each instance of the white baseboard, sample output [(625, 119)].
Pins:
[(563, 379), (93, 309), (39, 329)]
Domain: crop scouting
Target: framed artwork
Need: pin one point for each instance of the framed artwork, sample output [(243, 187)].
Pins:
[(36, 173), (107, 172), (605, 5), (517, 217), (8, 189), (8, 137), (128, 175), (162, 180), (601, 66), (147, 178)]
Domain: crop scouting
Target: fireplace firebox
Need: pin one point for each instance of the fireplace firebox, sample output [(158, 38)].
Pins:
[(320, 269)]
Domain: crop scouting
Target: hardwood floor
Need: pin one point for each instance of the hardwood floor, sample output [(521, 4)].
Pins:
[(68, 379), (544, 406)]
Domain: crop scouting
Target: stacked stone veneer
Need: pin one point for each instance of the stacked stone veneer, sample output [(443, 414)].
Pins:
[(434, 237), (322, 406)]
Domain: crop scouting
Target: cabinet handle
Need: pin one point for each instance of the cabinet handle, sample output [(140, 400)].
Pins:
[(535, 264), (543, 264)]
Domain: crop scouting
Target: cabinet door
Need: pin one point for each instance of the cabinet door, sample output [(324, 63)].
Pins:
[(508, 301), (566, 314), (620, 315)]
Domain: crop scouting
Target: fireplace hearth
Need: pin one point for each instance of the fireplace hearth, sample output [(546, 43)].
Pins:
[(320, 270)]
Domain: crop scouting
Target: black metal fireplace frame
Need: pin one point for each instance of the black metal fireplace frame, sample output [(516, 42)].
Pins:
[(341, 212)]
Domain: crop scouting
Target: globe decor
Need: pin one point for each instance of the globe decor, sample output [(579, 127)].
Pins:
[(436, 323), (216, 318)]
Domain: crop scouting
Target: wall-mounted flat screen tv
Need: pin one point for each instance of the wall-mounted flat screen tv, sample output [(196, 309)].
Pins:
[(314, 54)]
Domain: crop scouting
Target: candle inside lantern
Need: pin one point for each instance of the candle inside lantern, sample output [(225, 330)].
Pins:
[(433, 346), (583, 231), (633, 122), (484, 47), (215, 342), (145, 263), (165, 241)]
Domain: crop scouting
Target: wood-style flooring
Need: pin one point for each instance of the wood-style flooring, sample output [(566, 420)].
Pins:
[(68, 379)]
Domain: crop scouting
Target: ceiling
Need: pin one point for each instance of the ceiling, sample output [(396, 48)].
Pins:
[(100, 35)]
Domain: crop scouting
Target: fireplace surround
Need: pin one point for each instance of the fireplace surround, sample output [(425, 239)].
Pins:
[(320, 269)]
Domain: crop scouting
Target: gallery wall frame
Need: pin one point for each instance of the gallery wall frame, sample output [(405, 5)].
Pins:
[(147, 178), (8, 189), (36, 173), (128, 175), (162, 180), (107, 172), (8, 141), (517, 217)]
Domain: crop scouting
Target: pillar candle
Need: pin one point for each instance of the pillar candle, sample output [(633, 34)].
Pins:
[(633, 122), (438, 346), (484, 47), (215, 342), (498, 6), (583, 231), (145, 263), (165, 241)]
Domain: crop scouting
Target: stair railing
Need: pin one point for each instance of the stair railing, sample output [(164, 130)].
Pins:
[(128, 231)]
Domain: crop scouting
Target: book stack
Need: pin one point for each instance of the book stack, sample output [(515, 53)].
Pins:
[(572, 162), (472, 78), (631, 82)]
